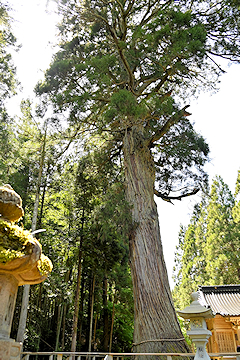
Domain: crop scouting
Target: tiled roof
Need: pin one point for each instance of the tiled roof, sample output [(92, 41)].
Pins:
[(223, 299)]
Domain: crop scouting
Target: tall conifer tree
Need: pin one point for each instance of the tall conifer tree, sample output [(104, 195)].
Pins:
[(121, 71), (208, 251)]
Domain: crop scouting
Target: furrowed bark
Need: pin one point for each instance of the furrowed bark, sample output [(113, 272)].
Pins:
[(156, 328)]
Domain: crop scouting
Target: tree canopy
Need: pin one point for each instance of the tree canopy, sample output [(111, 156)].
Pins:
[(7, 41), (130, 62), (120, 84), (208, 250), (123, 77), (8, 85)]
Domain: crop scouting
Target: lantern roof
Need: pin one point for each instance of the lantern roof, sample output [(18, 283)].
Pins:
[(195, 309)]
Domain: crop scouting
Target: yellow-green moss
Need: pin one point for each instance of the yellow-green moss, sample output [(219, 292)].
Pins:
[(14, 244), (12, 241), (8, 255), (44, 265)]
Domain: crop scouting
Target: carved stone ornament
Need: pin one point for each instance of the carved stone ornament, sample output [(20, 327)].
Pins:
[(198, 333), (10, 204), (21, 262)]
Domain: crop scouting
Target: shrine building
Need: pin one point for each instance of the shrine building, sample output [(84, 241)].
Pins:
[(224, 301)]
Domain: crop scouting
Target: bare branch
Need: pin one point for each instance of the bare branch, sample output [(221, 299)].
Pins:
[(170, 198), (218, 66)]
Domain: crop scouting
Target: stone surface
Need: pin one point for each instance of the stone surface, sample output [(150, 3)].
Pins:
[(198, 333), (26, 265), (195, 309), (9, 349), (8, 293), (15, 351), (25, 269), (10, 204)]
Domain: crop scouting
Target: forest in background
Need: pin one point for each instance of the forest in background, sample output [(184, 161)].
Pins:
[(83, 216), (86, 222), (82, 212), (208, 250), (78, 214)]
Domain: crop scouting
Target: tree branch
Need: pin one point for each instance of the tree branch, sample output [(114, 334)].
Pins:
[(169, 198), (173, 120)]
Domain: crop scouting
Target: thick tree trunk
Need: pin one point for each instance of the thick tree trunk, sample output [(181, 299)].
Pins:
[(156, 328)]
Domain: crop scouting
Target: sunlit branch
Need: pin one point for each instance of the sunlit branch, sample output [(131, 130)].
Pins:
[(179, 197)]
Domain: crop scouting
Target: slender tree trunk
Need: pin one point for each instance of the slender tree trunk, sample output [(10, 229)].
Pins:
[(156, 328), (59, 323), (91, 316), (38, 304), (23, 314), (76, 303), (64, 325), (44, 189), (94, 333), (81, 311), (105, 315), (36, 203), (26, 288), (112, 322), (77, 292)]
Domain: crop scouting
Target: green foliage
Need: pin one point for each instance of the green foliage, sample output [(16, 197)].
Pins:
[(8, 85), (208, 250), (14, 244), (123, 103), (81, 202), (44, 265), (121, 66), (129, 66), (7, 41)]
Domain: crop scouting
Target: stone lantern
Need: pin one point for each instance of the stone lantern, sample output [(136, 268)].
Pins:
[(21, 262), (199, 333)]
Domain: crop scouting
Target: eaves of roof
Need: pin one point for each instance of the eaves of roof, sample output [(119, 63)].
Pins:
[(223, 300)]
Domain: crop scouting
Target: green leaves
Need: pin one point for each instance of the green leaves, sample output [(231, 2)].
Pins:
[(208, 251), (124, 104), (7, 41)]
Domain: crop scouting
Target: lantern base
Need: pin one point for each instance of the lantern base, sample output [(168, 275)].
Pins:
[(9, 349), (200, 338)]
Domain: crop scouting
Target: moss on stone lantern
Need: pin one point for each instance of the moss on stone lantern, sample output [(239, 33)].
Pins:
[(21, 262)]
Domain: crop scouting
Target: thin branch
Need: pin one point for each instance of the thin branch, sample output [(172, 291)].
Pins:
[(224, 56), (218, 66), (173, 120), (146, 18), (169, 198), (120, 50), (129, 8)]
